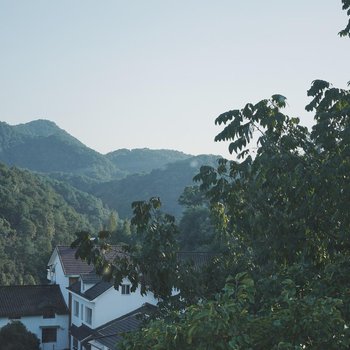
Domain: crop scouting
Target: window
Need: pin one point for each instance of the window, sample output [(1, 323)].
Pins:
[(75, 343), (125, 289), (49, 335), (82, 312), (76, 308), (72, 280), (88, 315)]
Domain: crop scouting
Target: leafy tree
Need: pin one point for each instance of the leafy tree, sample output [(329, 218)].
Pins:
[(149, 262), (113, 219), (285, 220), (166, 183), (346, 30), (282, 210), (15, 336), (226, 322), (196, 227)]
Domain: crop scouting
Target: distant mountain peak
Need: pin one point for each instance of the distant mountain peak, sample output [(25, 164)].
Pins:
[(140, 160), (39, 127)]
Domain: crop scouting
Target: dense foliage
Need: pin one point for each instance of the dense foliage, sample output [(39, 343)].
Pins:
[(42, 146), (34, 218), (83, 203), (282, 211), (284, 215), (196, 226), (346, 30), (167, 183), (117, 178), (15, 336), (280, 273)]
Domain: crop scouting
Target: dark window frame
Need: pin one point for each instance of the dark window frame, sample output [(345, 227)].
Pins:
[(88, 315), (126, 289), (75, 343), (49, 335), (76, 308)]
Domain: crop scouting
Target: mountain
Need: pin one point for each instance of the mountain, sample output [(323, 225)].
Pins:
[(66, 187), (144, 160), (117, 178), (34, 218), (43, 147), (167, 183)]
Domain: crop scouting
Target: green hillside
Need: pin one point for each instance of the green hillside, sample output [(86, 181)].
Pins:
[(167, 183), (34, 218), (44, 128), (43, 147), (117, 178)]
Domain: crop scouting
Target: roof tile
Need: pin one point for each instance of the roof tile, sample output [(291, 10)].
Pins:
[(18, 301)]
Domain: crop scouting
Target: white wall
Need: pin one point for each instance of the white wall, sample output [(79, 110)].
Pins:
[(78, 321), (58, 276), (110, 305), (34, 324)]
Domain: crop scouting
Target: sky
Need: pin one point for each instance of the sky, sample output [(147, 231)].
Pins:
[(156, 73)]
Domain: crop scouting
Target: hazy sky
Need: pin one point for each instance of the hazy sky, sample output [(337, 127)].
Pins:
[(129, 74)]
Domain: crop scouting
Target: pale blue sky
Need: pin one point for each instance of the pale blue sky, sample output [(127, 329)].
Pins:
[(128, 74)]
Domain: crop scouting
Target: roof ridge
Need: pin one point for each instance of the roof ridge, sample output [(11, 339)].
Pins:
[(30, 285)]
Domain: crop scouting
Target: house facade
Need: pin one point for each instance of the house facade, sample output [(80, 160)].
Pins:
[(92, 302), (64, 269), (95, 306), (102, 302), (78, 310), (41, 309)]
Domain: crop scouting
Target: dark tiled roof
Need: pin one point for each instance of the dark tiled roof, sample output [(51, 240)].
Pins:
[(90, 278), (17, 301), (97, 290), (110, 333), (93, 292), (71, 265), (81, 332), (75, 287), (199, 259)]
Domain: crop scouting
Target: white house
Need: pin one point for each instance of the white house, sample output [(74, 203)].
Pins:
[(78, 310), (94, 305), (92, 302), (41, 309), (64, 269)]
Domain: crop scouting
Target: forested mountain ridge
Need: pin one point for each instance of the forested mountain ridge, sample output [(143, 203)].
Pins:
[(117, 178), (82, 202), (167, 183), (144, 160), (43, 147), (34, 218)]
